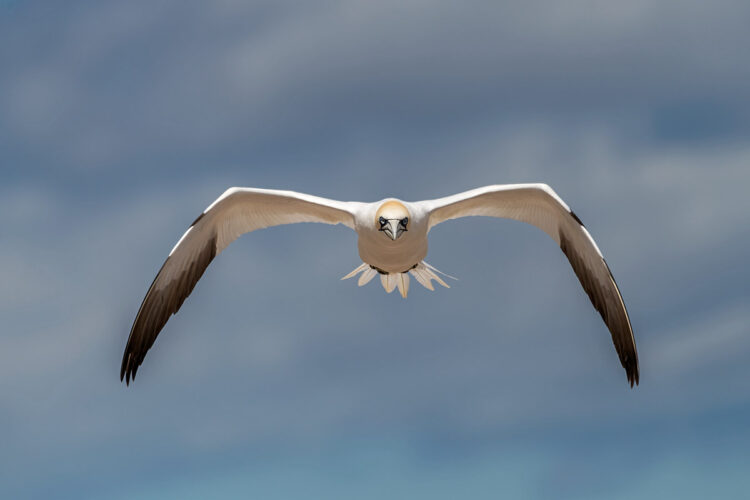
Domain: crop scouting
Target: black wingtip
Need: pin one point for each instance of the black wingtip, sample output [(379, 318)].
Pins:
[(159, 305), (124, 371), (127, 369), (197, 220), (573, 214), (633, 374)]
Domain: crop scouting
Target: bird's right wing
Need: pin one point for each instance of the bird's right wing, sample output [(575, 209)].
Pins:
[(540, 206), (237, 211)]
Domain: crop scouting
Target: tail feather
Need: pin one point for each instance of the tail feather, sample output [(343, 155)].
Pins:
[(368, 275), (423, 272), (356, 271), (402, 280), (423, 280), (435, 277), (388, 281), (433, 268)]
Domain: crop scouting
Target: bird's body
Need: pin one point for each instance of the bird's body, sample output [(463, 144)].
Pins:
[(392, 256), (392, 243), (392, 259)]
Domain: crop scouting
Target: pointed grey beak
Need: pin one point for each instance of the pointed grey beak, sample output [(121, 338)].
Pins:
[(395, 229)]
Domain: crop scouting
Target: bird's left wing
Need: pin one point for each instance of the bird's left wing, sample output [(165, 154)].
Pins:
[(237, 211), (540, 206)]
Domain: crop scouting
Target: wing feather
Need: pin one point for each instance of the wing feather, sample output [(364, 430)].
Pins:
[(540, 206), (237, 211)]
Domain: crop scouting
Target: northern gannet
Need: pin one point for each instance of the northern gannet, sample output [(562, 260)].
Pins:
[(392, 243)]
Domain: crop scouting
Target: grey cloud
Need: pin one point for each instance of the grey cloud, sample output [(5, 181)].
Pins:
[(121, 123), (280, 74)]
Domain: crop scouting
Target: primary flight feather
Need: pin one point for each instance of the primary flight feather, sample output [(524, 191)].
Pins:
[(392, 243)]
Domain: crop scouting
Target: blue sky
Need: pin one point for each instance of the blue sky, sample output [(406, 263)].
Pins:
[(121, 121)]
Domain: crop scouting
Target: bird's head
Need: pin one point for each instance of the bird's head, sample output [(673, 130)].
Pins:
[(392, 218)]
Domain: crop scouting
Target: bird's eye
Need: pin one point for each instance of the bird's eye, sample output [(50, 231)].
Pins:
[(383, 221), (404, 221)]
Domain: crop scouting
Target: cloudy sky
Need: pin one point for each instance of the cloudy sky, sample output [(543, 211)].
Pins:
[(121, 121)]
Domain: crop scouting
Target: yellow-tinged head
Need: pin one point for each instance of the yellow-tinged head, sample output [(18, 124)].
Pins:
[(392, 218)]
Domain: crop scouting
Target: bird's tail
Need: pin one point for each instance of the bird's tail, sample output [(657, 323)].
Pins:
[(423, 272)]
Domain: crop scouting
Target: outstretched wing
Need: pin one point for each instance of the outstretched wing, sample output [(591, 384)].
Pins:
[(539, 205), (237, 211)]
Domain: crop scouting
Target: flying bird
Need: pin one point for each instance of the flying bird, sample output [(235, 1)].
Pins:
[(392, 243)]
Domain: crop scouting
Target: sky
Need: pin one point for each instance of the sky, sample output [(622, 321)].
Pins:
[(121, 121)]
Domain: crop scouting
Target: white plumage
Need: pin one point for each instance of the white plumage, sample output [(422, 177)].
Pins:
[(392, 242)]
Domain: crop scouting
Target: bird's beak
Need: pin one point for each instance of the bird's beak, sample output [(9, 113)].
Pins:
[(395, 233)]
